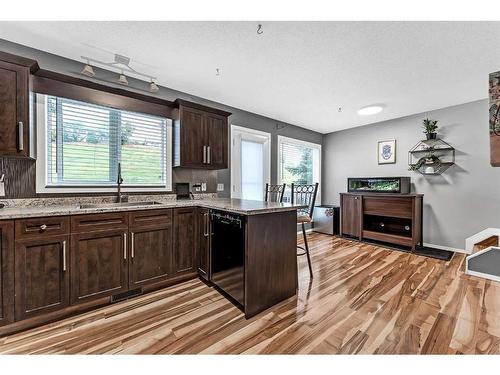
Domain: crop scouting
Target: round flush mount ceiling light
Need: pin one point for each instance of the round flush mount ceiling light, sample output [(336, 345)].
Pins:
[(370, 110)]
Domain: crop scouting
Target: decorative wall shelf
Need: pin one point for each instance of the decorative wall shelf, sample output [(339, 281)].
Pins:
[(431, 157)]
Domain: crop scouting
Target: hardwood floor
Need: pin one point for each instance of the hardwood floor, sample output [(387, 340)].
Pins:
[(363, 299)]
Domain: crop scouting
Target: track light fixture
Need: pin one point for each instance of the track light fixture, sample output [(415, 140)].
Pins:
[(120, 65)]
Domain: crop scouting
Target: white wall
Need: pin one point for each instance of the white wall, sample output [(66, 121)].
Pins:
[(457, 204)]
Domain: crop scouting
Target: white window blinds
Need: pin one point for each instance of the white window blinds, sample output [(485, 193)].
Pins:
[(85, 143), (299, 163)]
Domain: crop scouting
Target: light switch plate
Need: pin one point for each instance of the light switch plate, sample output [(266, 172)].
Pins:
[(203, 186), (220, 187)]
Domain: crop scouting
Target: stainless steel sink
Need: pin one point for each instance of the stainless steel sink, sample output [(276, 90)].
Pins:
[(122, 204)]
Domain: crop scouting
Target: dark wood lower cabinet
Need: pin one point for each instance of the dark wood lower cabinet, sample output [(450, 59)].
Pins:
[(203, 256), (150, 255), (41, 276), (98, 264), (185, 241), (6, 272), (392, 218), (85, 259)]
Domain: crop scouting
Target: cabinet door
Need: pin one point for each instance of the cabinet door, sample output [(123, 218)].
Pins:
[(98, 265), (150, 255), (185, 241), (203, 254), (41, 276), (6, 272), (14, 95), (192, 138), (351, 215), (217, 141)]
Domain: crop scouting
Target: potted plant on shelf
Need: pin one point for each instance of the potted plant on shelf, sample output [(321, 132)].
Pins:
[(431, 162), (430, 127)]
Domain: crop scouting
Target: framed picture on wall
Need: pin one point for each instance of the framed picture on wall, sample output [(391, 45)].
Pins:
[(387, 152)]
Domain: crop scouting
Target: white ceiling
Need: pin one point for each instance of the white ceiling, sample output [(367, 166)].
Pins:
[(296, 72)]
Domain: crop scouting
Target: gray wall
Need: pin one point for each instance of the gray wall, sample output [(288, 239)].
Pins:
[(239, 117), (459, 203)]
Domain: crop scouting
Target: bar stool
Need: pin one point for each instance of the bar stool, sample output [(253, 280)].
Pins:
[(305, 195), (274, 193)]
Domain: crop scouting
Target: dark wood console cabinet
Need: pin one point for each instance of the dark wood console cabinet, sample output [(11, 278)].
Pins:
[(391, 218)]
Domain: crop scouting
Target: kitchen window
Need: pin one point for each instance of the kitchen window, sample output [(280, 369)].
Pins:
[(81, 144), (299, 162)]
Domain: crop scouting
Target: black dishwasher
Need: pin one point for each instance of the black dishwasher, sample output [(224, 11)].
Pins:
[(228, 254)]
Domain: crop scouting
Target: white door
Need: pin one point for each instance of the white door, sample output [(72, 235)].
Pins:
[(250, 163)]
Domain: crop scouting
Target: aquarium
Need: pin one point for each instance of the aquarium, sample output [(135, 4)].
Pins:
[(399, 185)]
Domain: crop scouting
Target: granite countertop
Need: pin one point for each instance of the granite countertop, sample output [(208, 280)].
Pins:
[(40, 207)]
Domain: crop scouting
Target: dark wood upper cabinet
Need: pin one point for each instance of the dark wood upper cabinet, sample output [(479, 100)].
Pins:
[(217, 133), (200, 137), (351, 215), (203, 254), (185, 241), (41, 276), (150, 247), (6, 272), (14, 110), (98, 264)]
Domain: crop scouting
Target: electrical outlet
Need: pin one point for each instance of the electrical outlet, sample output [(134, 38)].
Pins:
[(220, 187), (203, 186)]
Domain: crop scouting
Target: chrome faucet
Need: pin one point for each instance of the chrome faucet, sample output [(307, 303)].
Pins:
[(119, 181)]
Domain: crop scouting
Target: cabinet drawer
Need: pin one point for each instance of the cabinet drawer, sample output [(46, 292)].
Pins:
[(98, 222), (382, 206), (150, 218), (41, 227)]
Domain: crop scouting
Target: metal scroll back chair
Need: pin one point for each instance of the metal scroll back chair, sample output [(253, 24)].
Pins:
[(274, 193), (306, 195)]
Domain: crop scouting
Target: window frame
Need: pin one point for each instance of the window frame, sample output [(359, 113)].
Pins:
[(43, 187), (283, 139)]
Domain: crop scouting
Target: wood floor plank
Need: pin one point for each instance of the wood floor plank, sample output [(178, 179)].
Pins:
[(363, 299)]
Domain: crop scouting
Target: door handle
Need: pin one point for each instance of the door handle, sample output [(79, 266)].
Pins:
[(20, 136), (125, 246), (132, 245), (204, 154), (64, 255), (209, 155)]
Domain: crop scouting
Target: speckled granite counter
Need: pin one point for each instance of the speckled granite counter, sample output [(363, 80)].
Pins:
[(24, 208)]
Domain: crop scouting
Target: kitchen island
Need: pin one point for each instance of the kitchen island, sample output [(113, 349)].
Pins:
[(62, 256)]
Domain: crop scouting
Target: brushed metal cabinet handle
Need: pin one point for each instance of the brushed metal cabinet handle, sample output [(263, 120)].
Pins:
[(64, 255), (43, 226), (205, 230), (132, 245), (204, 154), (209, 155), (20, 136), (125, 246)]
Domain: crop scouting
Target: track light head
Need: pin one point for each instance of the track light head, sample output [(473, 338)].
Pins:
[(123, 79), (88, 70), (153, 87)]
